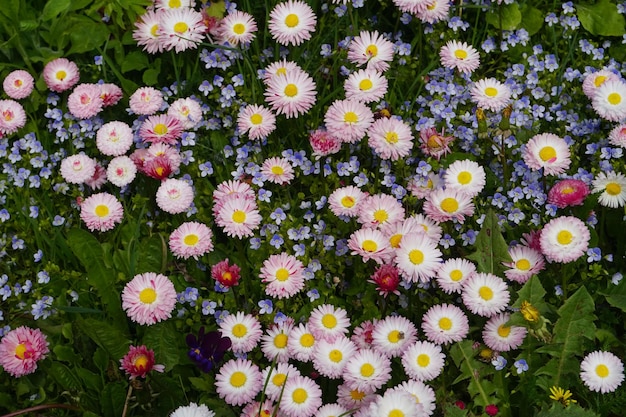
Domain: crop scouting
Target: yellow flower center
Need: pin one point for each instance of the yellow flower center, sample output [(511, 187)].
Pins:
[(504, 331), (292, 20), (256, 119), (239, 216), (367, 370), (277, 170), (299, 395), (614, 99), (239, 330), (564, 237), (307, 340), (395, 336), (369, 246), (174, 4), (238, 379), (523, 264), (18, 83), (329, 321), (613, 188), (491, 91), (464, 177), (485, 293), (449, 205), (567, 190), (280, 341), (191, 240), (460, 54), (445, 323), (279, 379), (600, 79), (147, 296), (281, 71), (160, 129), (239, 28), (394, 240), (381, 216), (391, 137), (456, 275), (181, 27), (291, 90), (547, 153), (282, 275), (357, 395), (102, 210), (602, 371), (21, 351), (365, 84), (348, 201), (371, 51), (395, 413), (154, 31), (350, 117), (423, 360), (60, 75), (141, 361), (416, 256), (335, 355)]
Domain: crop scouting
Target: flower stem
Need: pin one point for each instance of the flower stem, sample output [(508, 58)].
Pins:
[(41, 407), (128, 395)]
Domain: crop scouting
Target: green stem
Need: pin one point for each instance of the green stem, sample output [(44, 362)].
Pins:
[(41, 407)]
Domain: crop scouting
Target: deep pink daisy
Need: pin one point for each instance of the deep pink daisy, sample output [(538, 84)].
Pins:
[(568, 193), (162, 128), (139, 361), (21, 349)]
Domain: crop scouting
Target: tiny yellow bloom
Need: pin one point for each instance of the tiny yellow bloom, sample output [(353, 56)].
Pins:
[(529, 312), (562, 396)]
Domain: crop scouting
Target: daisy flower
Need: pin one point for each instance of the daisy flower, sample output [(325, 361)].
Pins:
[(76, 169), (101, 212), (330, 357), (423, 361), (445, 323), (564, 239), (612, 185), (258, 409), (192, 410), (395, 232), (346, 201), (114, 138), (466, 176), (328, 322), (283, 274), (445, 204), (429, 226), (301, 343), (412, 6), (323, 143), (485, 294), (370, 243), (110, 94), (174, 196), (490, 94), (98, 179), (331, 410), (21, 349), (435, 11), (139, 361), (395, 403), (180, 29), (525, 262), (187, 111), (302, 397), (146, 101), (238, 216), (423, 395), (366, 85), (191, 239), (460, 56), (147, 29), (275, 377), (380, 209), (362, 334), (149, 298), (257, 121), (547, 151), (243, 330), (274, 342), (173, 4), (372, 50), (418, 259), (121, 171), (162, 128), (277, 170), (568, 193), (433, 143), (18, 84), (387, 280), (596, 79), (367, 370), (238, 382), (12, 117), (602, 371), (609, 100), (500, 337), (453, 272), (617, 136), (348, 120), (61, 74), (390, 138), (278, 68), (230, 188), (392, 335), (84, 101), (291, 94), (353, 399), (292, 22), (226, 274), (237, 28)]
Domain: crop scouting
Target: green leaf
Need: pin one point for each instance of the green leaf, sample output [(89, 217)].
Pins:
[(110, 338), (165, 341), (92, 381), (200, 384), (54, 8), (505, 17), (11, 9), (112, 399), (491, 248), (601, 18), (151, 255), (150, 76), (532, 19), (64, 376), (66, 354), (479, 387), (135, 60), (573, 410), (86, 35), (101, 359), (532, 292), (616, 295)]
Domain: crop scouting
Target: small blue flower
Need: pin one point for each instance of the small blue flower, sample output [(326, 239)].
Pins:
[(499, 363), (266, 306), (521, 366), (313, 294), (617, 277)]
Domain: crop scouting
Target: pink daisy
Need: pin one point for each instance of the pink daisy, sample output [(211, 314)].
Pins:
[(460, 56), (12, 117), (423, 361), (418, 259), (370, 243), (328, 322), (302, 397), (346, 201), (596, 79), (60, 74), (121, 171), (173, 4), (367, 370), (146, 101), (490, 94), (277, 170), (274, 342), (445, 323), (257, 121), (238, 382), (110, 94), (18, 84), (161, 128), (149, 298), (568, 193), (485, 294), (392, 335), (238, 216), (85, 102), (300, 343), (500, 337), (547, 151), (435, 144), (76, 169), (348, 120), (564, 239), (453, 272), (139, 361), (366, 85), (390, 138), (158, 161), (525, 262), (412, 6), (283, 274), (330, 356), (291, 94), (435, 11), (292, 22), (276, 376), (98, 179), (191, 239), (226, 274), (395, 231), (180, 29), (277, 68), (21, 349), (423, 395), (372, 50), (429, 226), (362, 334), (243, 330), (324, 143), (237, 28), (448, 204), (353, 399), (617, 136), (380, 209), (114, 138), (609, 100), (147, 30), (101, 212), (174, 196), (233, 187), (386, 278), (187, 111)]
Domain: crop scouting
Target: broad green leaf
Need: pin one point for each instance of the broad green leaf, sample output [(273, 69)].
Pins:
[(112, 399), (105, 335), (601, 18), (479, 387), (573, 410), (151, 255), (505, 17), (92, 381), (86, 35), (54, 8), (101, 359), (200, 384), (135, 60), (532, 19), (150, 76), (616, 295), (66, 354), (11, 9), (491, 248), (64, 376), (165, 340)]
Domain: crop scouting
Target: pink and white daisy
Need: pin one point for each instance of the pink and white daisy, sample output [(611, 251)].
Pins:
[(423, 395), (173, 4), (394, 403), (12, 117), (370, 243), (460, 56), (392, 335), (98, 179), (617, 136), (278, 68), (149, 298), (418, 259), (277, 170), (225, 274), (21, 349), (525, 262), (191, 239), (283, 274), (121, 171), (274, 342), (412, 6), (547, 151), (276, 376), (238, 382), (485, 294), (362, 334), (84, 101), (238, 216), (60, 74), (429, 226), (452, 274), (466, 176), (353, 399), (435, 144), (302, 397), (228, 188), (147, 30), (101, 212), (372, 50), (139, 361), (331, 356), (76, 169), (500, 337), (243, 330), (367, 370), (324, 143), (380, 209), (332, 410), (291, 94), (612, 185), (257, 121), (18, 84), (114, 138), (187, 111), (366, 85), (564, 239), (174, 196), (568, 193), (596, 79), (348, 120), (423, 361), (445, 323), (181, 29), (194, 410), (301, 343), (327, 322), (161, 128), (237, 28), (435, 11), (390, 138), (395, 232), (609, 100), (292, 22), (110, 94), (602, 371), (146, 101), (491, 94), (346, 201), (448, 204)]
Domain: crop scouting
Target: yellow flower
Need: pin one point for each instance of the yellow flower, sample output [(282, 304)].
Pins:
[(561, 395), (529, 312)]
